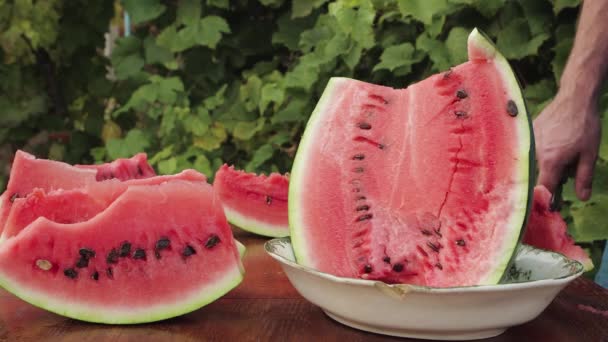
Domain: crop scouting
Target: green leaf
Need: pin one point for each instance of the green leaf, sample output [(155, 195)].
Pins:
[(295, 110), (126, 57), (515, 40), (302, 8), (202, 165), (590, 219), (245, 130), (290, 30), (271, 3), (211, 29), (456, 44), (261, 155), (539, 15), (397, 56), (143, 10), (188, 12), (604, 142), (225, 4), (271, 93), (423, 10), (559, 5), (488, 8), (562, 51), (357, 23), (538, 95), (436, 50), (135, 142), (169, 88), (167, 166), (155, 53)]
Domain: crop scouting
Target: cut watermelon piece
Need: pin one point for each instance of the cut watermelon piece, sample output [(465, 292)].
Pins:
[(426, 185), (547, 230), (156, 252), (77, 205), (123, 169), (28, 173), (257, 204)]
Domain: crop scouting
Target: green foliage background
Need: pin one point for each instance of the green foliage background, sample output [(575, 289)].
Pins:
[(203, 82)]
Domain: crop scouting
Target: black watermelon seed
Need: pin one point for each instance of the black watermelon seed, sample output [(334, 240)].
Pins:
[(188, 251), (367, 268), (358, 170), (110, 273), (460, 242), (460, 114), (125, 249), (82, 262), (426, 232), (461, 94), (364, 217), (86, 253), (162, 243), (433, 246), (364, 125), (95, 275), (437, 232), (268, 200), (512, 108), (360, 198), (358, 156), (398, 267), (381, 146), (387, 259), (448, 73), (363, 207), (70, 273), (139, 254), (112, 257), (13, 197), (212, 241), (439, 266)]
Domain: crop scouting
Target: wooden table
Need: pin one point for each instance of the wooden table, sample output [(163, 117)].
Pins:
[(265, 307)]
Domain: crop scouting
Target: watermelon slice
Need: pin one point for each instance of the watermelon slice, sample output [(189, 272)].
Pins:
[(77, 205), (547, 230), (156, 252), (28, 173), (426, 185), (257, 204)]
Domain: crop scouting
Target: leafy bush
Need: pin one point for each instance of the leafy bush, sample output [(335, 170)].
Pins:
[(200, 83)]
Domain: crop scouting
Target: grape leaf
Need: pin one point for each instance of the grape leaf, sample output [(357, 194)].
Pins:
[(134, 142), (260, 156), (143, 10), (188, 12), (456, 43), (396, 56), (590, 219), (210, 30), (559, 5), (302, 8), (423, 10), (515, 41)]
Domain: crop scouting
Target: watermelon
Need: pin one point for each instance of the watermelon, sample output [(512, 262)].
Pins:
[(145, 258), (28, 173), (547, 230), (76, 205), (255, 203), (427, 185)]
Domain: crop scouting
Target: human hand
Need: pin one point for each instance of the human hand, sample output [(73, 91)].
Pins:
[(567, 134)]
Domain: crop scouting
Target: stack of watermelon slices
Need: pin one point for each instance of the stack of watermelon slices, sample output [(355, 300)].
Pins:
[(114, 243)]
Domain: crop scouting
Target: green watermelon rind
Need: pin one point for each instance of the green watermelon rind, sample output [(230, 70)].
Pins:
[(254, 226), (479, 40), (519, 219)]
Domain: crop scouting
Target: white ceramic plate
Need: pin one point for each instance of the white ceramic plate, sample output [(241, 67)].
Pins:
[(458, 313)]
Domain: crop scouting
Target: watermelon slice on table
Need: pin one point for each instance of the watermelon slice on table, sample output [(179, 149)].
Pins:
[(547, 230), (156, 252), (427, 185), (28, 173), (255, 203), (77, 205)]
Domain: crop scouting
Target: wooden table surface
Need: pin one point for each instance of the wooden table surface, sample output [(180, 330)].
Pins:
[(265, 307)]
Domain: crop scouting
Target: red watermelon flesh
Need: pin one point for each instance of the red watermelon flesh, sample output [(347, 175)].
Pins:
[(547, 230), (77, 205), (28, 173), (426, 185), (256, 203), (123, 168), (156, 252)]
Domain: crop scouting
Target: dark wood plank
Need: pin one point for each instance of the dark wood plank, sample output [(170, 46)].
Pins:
[(267, 308)]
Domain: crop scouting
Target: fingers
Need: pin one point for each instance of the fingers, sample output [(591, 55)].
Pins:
[(584, 177), (550, 177)]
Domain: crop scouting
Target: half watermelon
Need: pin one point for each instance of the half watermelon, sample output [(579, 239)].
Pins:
[(426, 185)]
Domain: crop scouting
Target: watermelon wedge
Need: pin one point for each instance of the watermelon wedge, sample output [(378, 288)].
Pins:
[(28, 173), (547, 230), (426, 185), (255, 203), (77, 205), (155, 252)]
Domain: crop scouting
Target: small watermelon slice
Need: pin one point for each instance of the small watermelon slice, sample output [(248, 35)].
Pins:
[(156, 252), (255, 203), (547, 230), (77, 205), (427, 185), (28, 173)]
